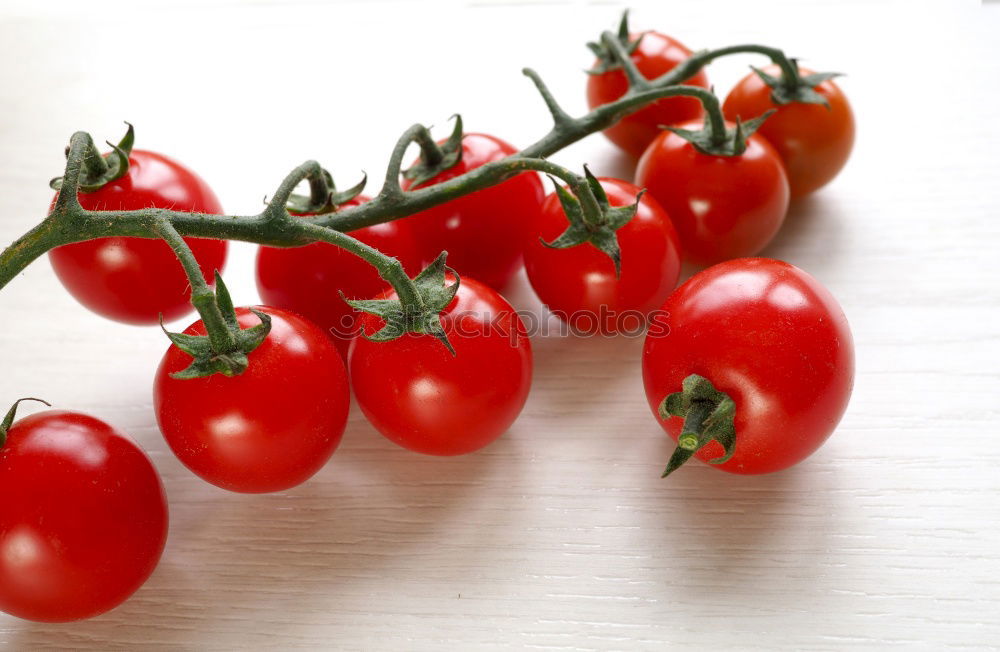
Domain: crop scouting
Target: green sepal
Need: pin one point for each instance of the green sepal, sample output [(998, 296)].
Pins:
[(733, 143), (435, 294), (606, 59), (708, 415), (100, 170), (8, 420), (800, 90), (325, 198), (205, 360), (600, 231), (449, 154)]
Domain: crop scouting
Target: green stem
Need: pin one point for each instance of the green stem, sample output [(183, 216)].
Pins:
[(8, 419), (636, 80), (69, 223), (202, 296), (430, 152), (389, 268)]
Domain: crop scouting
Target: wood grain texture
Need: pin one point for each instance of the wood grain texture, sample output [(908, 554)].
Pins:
[(560, 536)]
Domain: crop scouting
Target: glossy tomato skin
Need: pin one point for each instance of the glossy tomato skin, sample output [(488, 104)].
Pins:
[(84, 520), (421, 397), (813, 141), (272, 427), (772, 338), (579, 284), (656, 55), (133, 280), (308, 279), (484, 233), (722, 206)]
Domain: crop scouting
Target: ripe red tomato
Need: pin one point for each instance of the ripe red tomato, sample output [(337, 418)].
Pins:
[(133, 280), (425, 399), (723, 206), (484, 233), (308, 279), (812, 140), (773, 339), (656, 55), (83, 521), (579, 283), (268, 429)]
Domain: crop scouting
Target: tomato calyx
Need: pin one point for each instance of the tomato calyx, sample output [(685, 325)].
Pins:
[(100, 170), (209, 356), (606, 57), (8, 420), (714, 141), (434, 293), (708, 415), (435, 158), (786, 89), (600, 231), (323, 195)]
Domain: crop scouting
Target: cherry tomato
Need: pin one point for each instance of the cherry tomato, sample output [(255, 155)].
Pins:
[(656, 55), (723, 206), (773, 339), (83, 521), (421, 397), (579, 283), (133, 280), (308, 279), (484, 233), (268, 429), (812, 140)]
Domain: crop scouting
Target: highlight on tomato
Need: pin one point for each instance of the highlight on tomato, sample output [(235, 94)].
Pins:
[(654, 54), (421, 396), (812, 128), (269, 428), (135, 280), (308, 280), (581, 284), (84, 517), (484, 232), (748, 366)]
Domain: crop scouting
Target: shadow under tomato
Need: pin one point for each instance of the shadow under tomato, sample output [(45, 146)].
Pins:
[(233, 557), (739, 533), (814, 227)]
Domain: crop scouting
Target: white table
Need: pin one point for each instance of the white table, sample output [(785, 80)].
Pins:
[(561, 535)]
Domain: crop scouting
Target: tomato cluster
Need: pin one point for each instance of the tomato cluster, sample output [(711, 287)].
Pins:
[(748, 364)]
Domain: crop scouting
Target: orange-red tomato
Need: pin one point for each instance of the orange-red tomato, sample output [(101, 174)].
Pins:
[(308, 279), (579, 283), (656, 55), (813, 141), (133, 280), (773, 339), (723, 206)]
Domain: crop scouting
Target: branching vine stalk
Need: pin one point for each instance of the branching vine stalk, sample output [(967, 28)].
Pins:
[(68, 222)]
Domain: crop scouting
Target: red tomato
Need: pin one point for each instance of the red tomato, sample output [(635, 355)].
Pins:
[(308, 279), (579, 283), (268, 429), (812, 140), (133, 280), (656, 55), (773, 339), (421, 397), (83, 520), (484, 233), (723, 206)]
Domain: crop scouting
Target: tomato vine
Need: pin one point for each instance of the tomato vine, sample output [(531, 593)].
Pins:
[(69, 222)]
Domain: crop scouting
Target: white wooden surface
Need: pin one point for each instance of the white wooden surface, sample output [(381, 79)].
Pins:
[(560, 536)]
